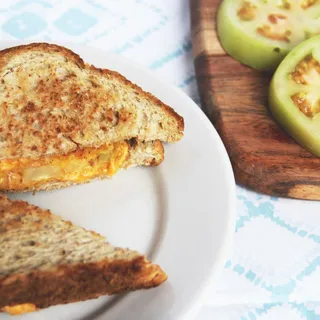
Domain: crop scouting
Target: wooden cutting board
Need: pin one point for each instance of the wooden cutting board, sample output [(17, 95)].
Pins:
[(263, 156)]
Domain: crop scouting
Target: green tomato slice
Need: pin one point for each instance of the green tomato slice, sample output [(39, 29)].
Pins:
[(260, 33), (294, 94)]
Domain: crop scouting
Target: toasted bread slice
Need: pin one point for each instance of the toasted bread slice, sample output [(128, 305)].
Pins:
[(80, 166), (53, 103), (45, 261)]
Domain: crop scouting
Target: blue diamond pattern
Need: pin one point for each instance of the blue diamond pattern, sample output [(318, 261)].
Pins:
[(24, 25), (75, 22)]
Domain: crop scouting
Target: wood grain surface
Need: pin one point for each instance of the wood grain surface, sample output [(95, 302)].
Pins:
[(263, 156)]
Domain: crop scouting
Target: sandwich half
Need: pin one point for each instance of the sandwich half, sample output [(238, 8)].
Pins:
[(46, 261), (55, 108)]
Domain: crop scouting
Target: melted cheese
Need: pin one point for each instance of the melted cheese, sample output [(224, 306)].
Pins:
[(78, 167), (20, 309)]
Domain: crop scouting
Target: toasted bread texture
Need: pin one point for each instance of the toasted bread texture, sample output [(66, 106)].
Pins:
[(45, 261), (84, 166), (52, 102), (149, 153)]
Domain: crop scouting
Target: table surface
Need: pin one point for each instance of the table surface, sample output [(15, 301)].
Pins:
[(273, 271)]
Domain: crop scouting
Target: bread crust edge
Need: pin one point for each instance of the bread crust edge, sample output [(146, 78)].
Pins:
[(79, 282)]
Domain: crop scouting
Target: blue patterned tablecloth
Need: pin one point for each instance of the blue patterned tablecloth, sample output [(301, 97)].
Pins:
[(273, 271)]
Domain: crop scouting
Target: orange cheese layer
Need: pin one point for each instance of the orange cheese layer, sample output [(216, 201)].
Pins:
[(20, 309), (78, 167)]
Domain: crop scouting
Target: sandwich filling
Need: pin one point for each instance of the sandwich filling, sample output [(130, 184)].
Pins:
[(19, 309), (78, 166)]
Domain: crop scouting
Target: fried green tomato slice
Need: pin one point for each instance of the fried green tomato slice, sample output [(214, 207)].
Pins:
[(260, 33), (294, 94)]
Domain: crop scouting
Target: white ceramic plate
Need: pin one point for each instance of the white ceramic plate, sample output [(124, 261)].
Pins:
[(181, 214)]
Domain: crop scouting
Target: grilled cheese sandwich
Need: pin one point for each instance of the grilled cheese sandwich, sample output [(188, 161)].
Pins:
[(46, 261), (63, 121)]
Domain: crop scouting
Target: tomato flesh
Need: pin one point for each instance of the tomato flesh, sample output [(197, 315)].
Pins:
[(307, 73), (260, 33), (294, 95)]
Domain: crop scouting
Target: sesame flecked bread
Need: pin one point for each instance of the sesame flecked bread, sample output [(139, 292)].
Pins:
[(46, 261), (65, 122), (52, 102)]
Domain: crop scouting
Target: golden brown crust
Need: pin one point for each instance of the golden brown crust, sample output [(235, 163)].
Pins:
[(71, 283), (93, 114), (41, 46)]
